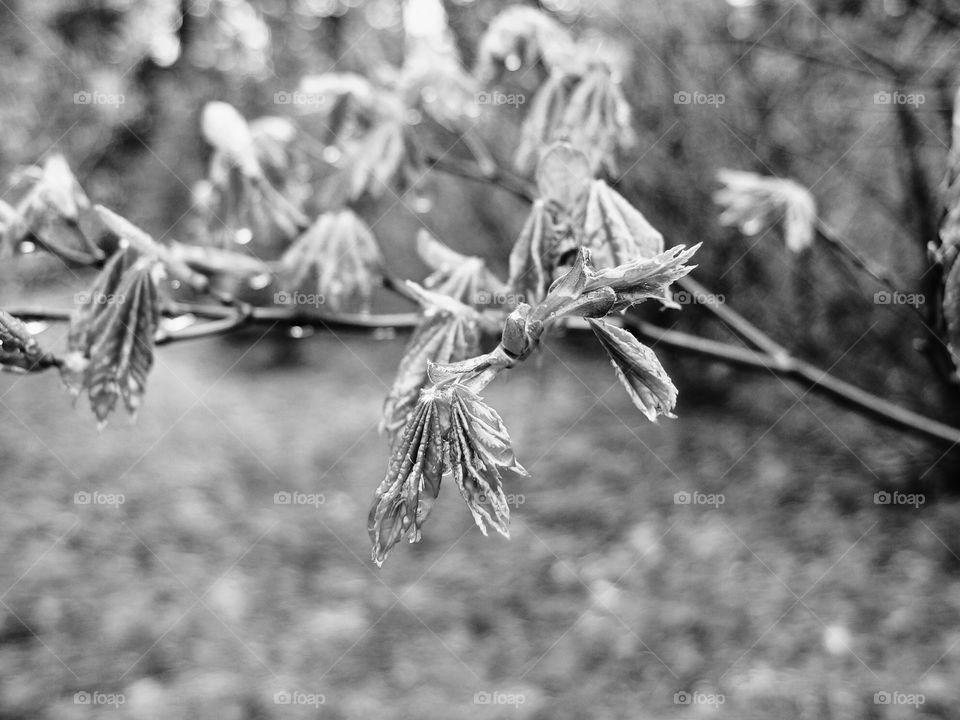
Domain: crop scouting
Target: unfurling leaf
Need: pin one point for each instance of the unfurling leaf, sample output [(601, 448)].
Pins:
[(643, 278), (521, 38), (111, 334), (639, 371), (753, 203), (479, 448), (950, 197), (19, 350), (448, 333), (405, 497), (563, 175), (463, 278), (616, 231), (338, 255)]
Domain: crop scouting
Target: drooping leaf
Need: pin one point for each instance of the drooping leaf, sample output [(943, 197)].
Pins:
[(19, 349), (950, 196), (449, 332), (57, 213), (528, 278), (112, 333), (339, 256), (522, 37), (12, 230), (596, 120), (639, 371), (245, 202), (405, 497), (951, 313), (754, 203), (461, 277), (479, 449), (546, 113)]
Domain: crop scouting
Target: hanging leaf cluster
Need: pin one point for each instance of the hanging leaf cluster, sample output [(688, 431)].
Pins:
[(110, 344), (753, 203), (239, 200), (338, 257), (451, 431)]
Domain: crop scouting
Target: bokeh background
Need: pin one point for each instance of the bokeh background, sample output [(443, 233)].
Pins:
[(199, 596)]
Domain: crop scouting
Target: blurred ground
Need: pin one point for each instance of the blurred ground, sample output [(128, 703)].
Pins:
[(198, 596)]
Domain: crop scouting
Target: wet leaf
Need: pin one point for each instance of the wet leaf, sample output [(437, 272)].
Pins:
[(405, 497), (461, 277), (597, 120), (19, 350), (639, 370), (753, 203), (449, 332), (520, 38), (479, 449), (112, 333), (338, 256), (528, 278), (643, 278), (615, 231)]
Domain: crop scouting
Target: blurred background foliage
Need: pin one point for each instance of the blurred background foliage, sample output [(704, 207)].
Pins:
[(685, 597)]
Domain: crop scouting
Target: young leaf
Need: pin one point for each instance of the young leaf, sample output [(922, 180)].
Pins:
[(616, 231), (405, 497), (111, 335), (753, 203), (449, 333), (564, 175), (479, 449), (463, 278), (639, 371), (339, 255), (12, 230), (19, 350), (57, 213), (244, 194), (527, 276), (643, 278), (951, 313), (522, 37), (540, 126)]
